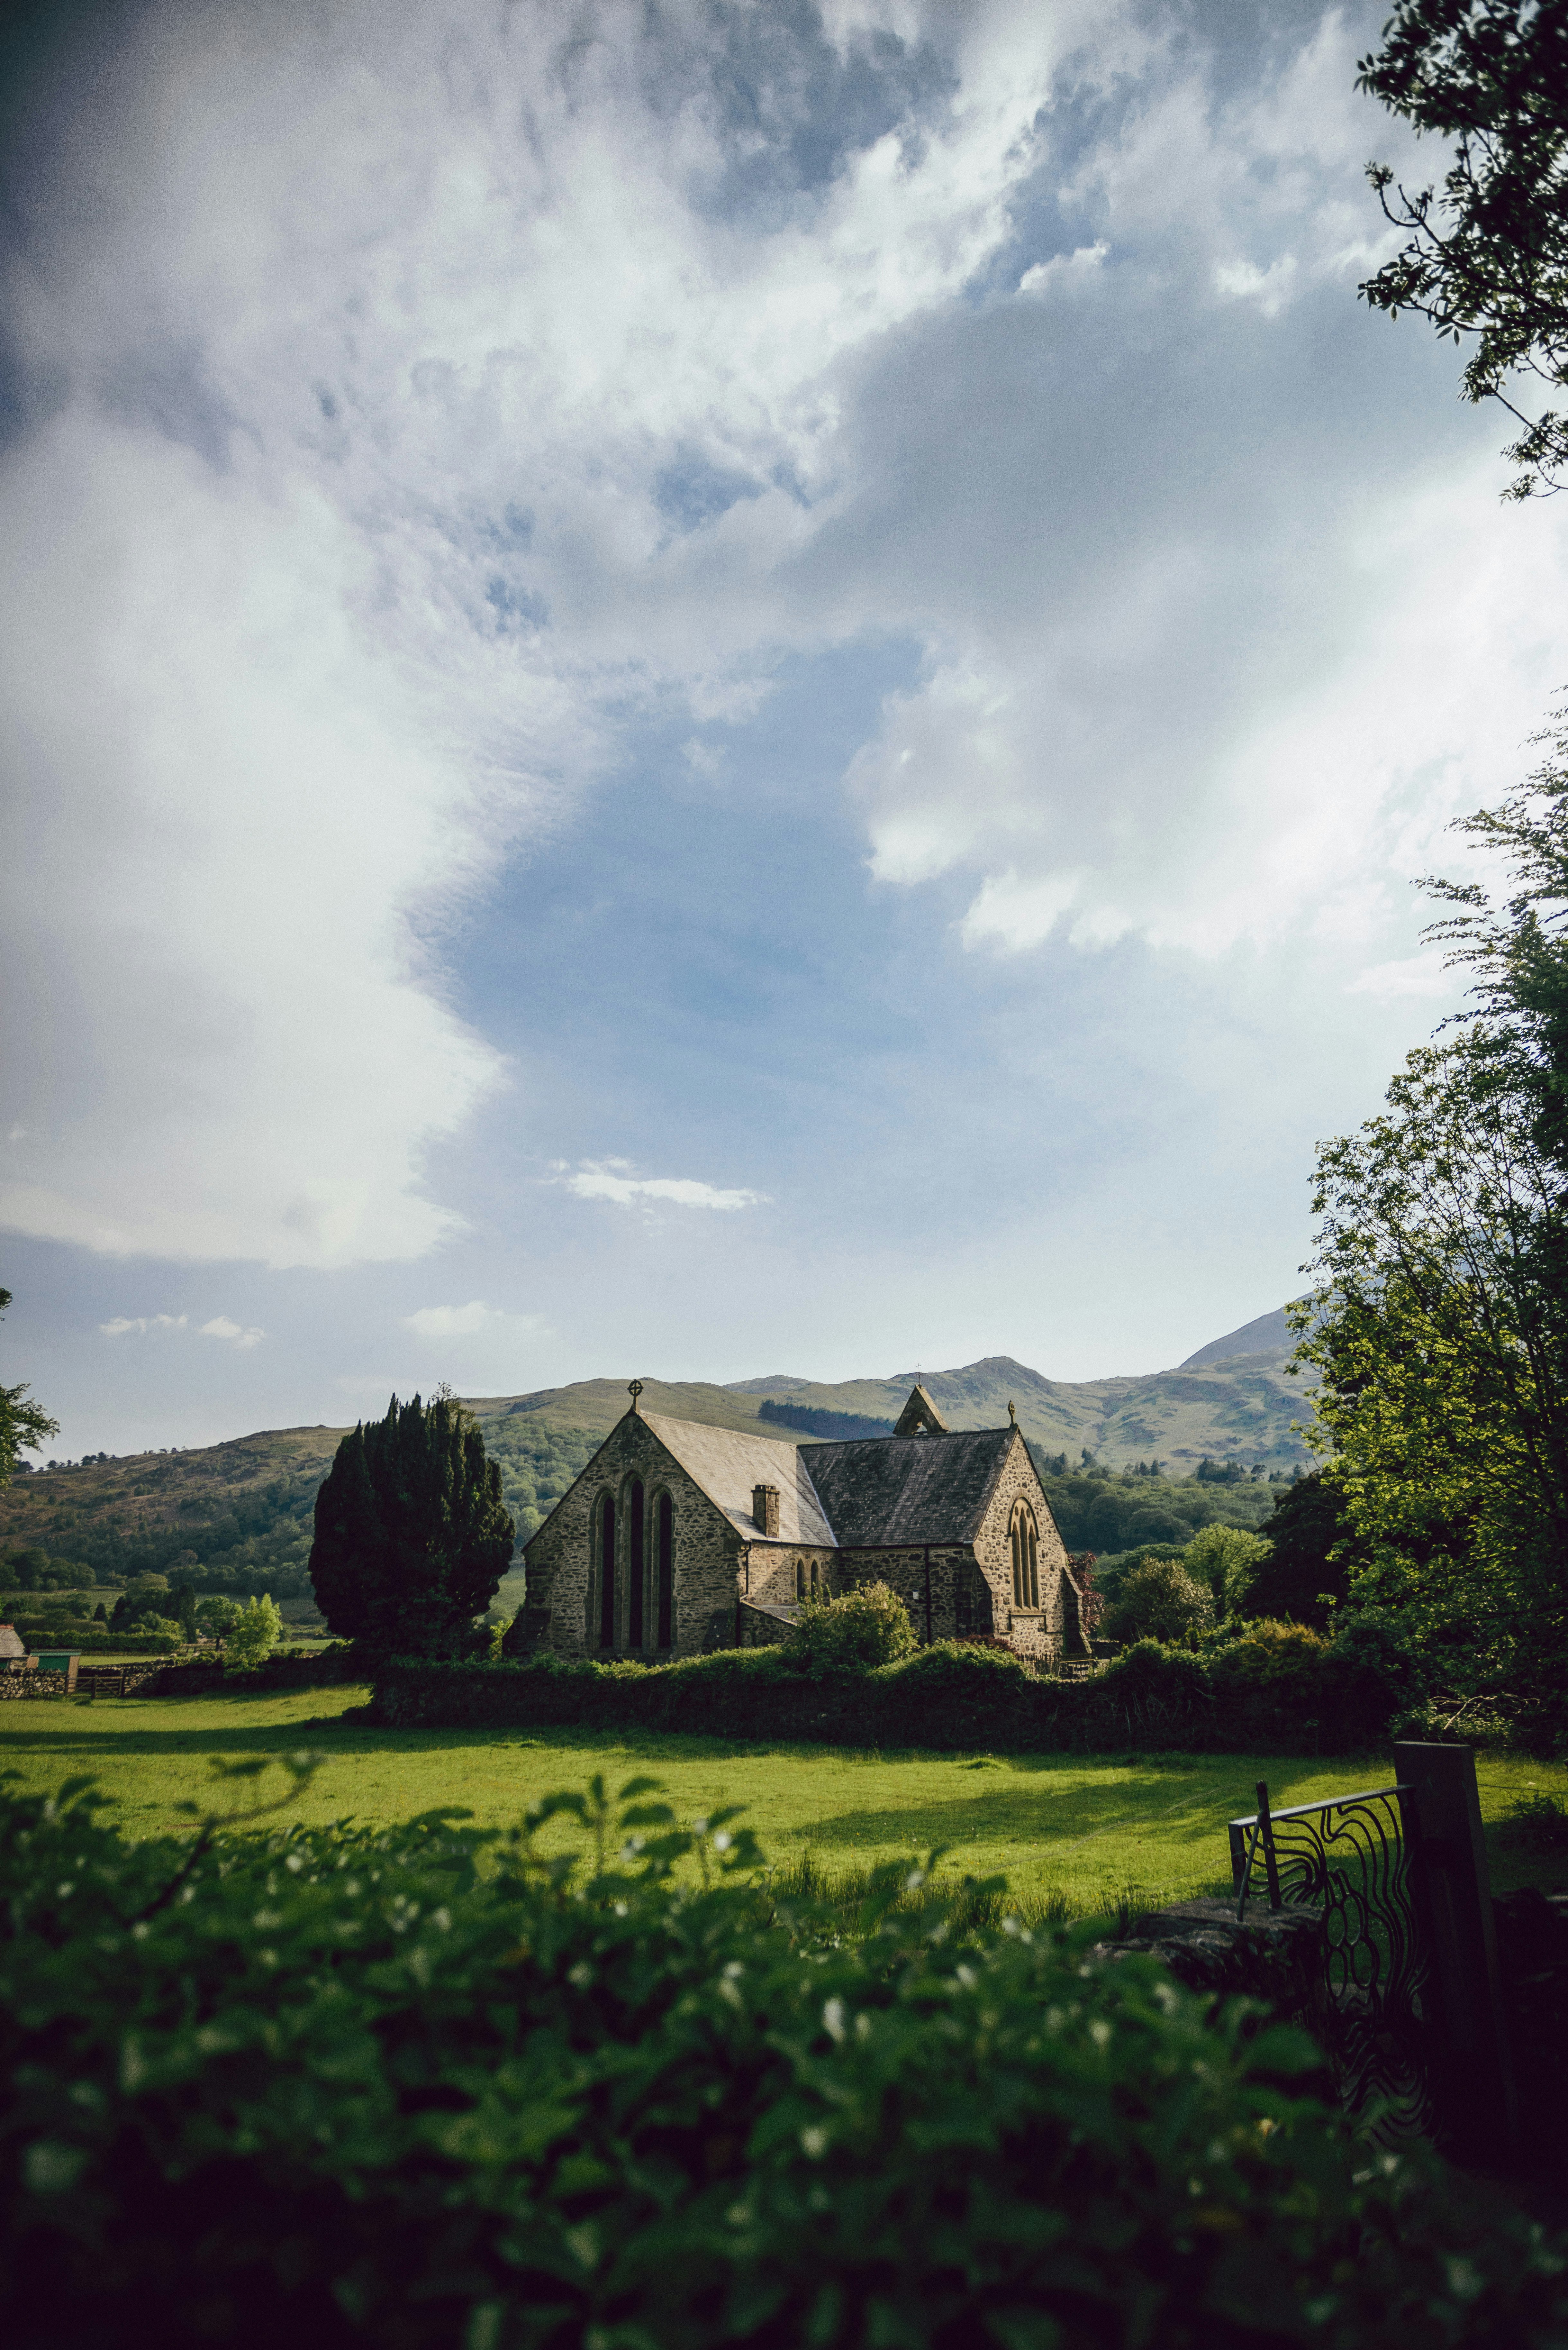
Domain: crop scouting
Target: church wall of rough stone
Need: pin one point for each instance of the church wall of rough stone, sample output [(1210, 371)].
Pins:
[(769, 1572), (1033, 1634), (948, 1588), (707, 1555)]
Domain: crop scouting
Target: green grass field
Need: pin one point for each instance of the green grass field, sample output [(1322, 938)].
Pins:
[(1086, 1831)]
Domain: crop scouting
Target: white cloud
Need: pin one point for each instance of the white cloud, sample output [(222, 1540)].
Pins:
[(1045, 274), (435, 404), (221, 1327), (610, 1178), (1271, 288), (468, 1321), (387, 481), (1421, 976)]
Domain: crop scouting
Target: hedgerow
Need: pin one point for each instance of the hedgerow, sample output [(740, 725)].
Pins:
[(1276, 1684), (422, 2087)]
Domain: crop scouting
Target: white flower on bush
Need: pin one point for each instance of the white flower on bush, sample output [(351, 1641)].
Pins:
[(252, 1637)]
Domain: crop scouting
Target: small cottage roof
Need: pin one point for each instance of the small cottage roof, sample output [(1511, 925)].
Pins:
[(882, 1490), (729, 1466)]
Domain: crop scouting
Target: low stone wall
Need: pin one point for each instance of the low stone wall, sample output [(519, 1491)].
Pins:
[(761, 1623), (1273, 1956), (33, 1683)]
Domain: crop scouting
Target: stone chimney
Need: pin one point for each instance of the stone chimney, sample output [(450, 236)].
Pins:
[(765, 1508)]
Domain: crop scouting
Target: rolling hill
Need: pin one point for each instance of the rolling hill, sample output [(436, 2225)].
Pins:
[(238, 1515)]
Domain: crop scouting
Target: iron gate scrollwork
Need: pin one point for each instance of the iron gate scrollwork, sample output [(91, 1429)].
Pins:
[(1350, 1858)]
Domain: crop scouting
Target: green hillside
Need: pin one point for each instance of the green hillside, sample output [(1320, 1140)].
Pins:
[(237, 1517)]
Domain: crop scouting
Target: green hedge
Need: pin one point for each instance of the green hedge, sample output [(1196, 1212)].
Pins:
[(54, 1634), (952, 1697), (417, 2090)]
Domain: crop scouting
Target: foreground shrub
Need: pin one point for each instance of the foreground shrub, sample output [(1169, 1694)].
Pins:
[(853, 1633), (422, 2088)]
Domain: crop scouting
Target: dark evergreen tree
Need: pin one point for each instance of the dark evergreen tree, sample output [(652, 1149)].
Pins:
[(411, 1535), (184, 1597), (1297, 1578)]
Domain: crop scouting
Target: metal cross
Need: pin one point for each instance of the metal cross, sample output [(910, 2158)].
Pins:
[(634, 1390)]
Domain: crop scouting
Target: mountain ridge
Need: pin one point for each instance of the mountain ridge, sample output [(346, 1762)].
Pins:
[(242, 1509)]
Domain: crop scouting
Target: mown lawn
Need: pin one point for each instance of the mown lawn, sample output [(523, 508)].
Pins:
[(1090, 1829)]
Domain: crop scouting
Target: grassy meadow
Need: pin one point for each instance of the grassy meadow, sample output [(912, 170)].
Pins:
[(1074, 1832)]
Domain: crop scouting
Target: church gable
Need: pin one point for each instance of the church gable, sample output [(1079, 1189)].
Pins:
[(734, 1469)]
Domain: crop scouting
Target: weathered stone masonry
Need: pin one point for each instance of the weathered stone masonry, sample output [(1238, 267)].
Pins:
[(756, 1526)]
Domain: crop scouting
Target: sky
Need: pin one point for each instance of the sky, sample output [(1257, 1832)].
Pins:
[(709, 689)]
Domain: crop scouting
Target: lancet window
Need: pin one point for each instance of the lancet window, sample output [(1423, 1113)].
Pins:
[(636, 1565), (1025, 1540), (606, 1571), (664, 1571)]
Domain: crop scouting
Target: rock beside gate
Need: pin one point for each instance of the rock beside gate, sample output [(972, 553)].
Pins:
[(1273, 1956)]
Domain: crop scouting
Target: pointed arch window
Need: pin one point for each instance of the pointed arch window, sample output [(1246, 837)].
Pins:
[(636, 1565), (1025, 1540), (664, 1571), (606, 1571)]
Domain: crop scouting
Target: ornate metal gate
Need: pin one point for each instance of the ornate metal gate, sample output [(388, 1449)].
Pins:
[(1350, 1858)]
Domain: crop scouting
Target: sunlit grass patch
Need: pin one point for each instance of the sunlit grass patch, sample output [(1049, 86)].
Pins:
[(1071, 1835)]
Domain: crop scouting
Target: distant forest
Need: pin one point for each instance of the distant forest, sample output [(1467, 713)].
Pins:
[(1108, 1511), (822, 1423)]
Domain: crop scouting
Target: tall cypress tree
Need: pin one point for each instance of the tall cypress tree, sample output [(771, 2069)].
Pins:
[(411, 1535)]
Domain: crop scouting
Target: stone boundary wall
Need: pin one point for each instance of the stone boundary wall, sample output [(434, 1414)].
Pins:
[(25, 1684), (1274, 1956)]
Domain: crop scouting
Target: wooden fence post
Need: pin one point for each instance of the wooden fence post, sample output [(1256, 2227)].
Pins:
[(1470, 2059)]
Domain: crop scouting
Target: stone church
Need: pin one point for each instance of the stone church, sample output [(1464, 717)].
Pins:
[(678, 1539)]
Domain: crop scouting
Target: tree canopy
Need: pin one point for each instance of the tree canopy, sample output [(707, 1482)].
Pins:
[(411, 1535), (1485, 255), (22, 1421), (1440, 1324)]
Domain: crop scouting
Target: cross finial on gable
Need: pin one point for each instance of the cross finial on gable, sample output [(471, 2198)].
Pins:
[(1011, 1413), (921, 1417), (634, 1390)]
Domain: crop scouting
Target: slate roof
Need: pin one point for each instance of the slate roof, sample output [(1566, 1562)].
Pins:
[(728, 1464), (909, 1489)]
